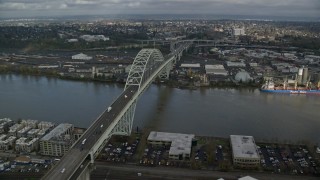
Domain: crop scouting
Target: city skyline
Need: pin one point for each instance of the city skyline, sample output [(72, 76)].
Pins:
[(39, 8)]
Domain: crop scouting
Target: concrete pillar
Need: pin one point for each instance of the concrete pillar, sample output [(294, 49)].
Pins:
[(171, 46), (85, 175)]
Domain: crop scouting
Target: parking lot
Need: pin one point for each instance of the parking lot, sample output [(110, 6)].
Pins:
[(288, 159), (211, 154), (155, 155), (14, 167), (119, 152)]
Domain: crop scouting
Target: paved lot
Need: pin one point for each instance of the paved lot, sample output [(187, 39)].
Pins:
[(114, 172)]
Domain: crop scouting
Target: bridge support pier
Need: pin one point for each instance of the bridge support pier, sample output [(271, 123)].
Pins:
[(166, 71), (124, 126), (85, 175)]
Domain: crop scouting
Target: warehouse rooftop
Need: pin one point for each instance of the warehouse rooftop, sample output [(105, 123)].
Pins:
[(243, 146)]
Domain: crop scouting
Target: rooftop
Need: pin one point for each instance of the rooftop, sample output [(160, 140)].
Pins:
[(197, 65), (243, 147), (57, 131), (217, 66), (180, 143)]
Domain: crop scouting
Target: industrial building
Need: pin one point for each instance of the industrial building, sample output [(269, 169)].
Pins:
[(216, 70), (197, 65), (58, 141), (235, 64), (244, 152), (180, 144), (81, 56)]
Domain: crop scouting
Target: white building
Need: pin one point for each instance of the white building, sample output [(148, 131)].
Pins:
[(235, 64), (81, 56), (253, 64), (247, 178), (7, 143), (33, 133), (24, 145), (197, 65), (244, 151), (72, 40), (14, 129), (29, 122), (5, 122), (58, 141), (238, 31), (42, 132), (242, 76), (48, 66), (23, 132), (216, 70), (4, 165), (45, 125), (91, 38), (180, 143)]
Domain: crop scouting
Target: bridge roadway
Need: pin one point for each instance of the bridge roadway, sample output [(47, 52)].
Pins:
[(74, 158)]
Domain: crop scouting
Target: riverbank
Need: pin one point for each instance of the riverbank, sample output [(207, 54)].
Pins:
[(169, 83)]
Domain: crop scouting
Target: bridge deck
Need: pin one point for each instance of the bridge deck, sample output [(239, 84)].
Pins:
[(76, 155)]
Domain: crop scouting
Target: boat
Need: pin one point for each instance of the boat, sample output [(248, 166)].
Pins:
[(270, 87)]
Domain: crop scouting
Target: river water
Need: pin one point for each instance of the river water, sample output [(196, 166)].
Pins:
[(207, 111)]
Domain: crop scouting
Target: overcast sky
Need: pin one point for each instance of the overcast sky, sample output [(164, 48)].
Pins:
[(31, 8)]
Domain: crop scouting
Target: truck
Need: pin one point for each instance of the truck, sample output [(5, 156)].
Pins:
[(109, 108)]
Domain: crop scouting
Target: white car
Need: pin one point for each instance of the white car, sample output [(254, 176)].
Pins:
[(62, 171)]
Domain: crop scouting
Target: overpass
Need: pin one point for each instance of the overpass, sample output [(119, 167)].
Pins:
[(118, 117), (216, 43)]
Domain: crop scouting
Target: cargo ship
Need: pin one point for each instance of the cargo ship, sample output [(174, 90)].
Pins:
[(300, 85), (270, 87)]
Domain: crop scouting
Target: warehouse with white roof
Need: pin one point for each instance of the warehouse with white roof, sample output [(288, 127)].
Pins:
[(180, 144), (244, 151)]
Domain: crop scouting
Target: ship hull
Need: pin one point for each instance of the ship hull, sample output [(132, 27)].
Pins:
[(291, 91)]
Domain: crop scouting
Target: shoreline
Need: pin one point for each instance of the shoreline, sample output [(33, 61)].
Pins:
[(169, 83)]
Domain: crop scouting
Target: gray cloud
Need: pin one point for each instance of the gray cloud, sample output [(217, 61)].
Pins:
[(25, 8)]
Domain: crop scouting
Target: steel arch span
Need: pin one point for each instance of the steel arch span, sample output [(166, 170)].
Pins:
[(145, 63), (143, 66)]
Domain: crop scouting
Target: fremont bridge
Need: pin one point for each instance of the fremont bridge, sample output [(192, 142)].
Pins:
[(117, 119)]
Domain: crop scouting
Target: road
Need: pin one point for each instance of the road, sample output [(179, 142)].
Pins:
[(111, 171), (71, 161)]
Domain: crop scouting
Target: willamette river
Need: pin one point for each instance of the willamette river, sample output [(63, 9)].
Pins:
[(209, 111)]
